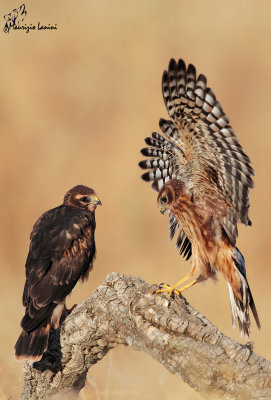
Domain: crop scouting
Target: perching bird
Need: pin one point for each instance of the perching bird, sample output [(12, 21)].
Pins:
[(203, 177), (62, 251)]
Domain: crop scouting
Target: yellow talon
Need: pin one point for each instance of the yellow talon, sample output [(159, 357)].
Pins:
[(167, 288), (172, 289)]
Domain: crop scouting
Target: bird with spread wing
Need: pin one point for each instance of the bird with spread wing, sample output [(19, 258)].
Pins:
[(62, 251), (203, 177)]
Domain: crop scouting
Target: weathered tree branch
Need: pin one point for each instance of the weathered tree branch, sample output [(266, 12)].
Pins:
[(123, 310)]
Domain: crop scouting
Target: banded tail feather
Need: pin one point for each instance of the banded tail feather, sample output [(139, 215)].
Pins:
[(240, 308)]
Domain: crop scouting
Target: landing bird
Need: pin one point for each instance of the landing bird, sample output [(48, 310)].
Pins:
[(203, 177), (62, 251)]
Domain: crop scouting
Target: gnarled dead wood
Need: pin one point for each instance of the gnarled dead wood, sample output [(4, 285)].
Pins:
[(123, 310)]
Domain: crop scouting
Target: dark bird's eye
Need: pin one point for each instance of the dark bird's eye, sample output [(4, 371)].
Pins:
[(84, 199), (164, 199)]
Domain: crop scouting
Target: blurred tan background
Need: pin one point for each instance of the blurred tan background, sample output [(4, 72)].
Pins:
[(76, 105)]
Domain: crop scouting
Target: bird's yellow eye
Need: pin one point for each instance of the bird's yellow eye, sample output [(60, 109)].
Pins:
[(163, 200)]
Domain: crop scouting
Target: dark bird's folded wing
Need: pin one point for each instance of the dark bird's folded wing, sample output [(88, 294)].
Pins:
[(61, 251)]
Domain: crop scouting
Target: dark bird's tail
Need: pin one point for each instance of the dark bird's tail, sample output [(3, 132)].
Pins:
[(33, 341), (32, 345), (240, 305)]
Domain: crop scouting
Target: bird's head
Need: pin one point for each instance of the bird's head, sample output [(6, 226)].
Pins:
[(169, 193), (165, 198), (82, 197)]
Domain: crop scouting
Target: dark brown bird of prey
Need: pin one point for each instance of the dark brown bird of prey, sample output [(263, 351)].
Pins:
[(61, 252), (203, 177)]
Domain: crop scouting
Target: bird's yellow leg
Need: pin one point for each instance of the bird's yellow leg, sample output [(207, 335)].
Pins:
[(186, 286), (171, 289), (199, 279)]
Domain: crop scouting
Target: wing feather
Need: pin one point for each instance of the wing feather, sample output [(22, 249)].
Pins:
[(200, 146), (183, 244), (206, 136), (167, 162), (58, 255)]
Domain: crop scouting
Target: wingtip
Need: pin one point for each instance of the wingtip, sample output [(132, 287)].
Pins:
[(161, 123), (202, 78), (148, 141), (181, 65), (165, 77), (141, 164), (145, 151), (172, 64), (145, 177), (191, 69)]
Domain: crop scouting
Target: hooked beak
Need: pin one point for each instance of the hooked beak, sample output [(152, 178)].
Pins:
[(162, 209), (96, 201)]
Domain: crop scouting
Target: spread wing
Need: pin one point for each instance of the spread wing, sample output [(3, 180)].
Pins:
[(211, 150), (167, 162), (208, 140), (61, 251)]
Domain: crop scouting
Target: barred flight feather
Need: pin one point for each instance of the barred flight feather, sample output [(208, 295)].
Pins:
[(208, 170), (199, 130), (194, 107), (183, 244), (165, 165)]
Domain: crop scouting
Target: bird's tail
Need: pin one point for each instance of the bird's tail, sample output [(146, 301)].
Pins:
[(240, 305), (33, 343)]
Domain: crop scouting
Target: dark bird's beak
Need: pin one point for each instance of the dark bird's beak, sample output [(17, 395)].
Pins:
[(162, 209)]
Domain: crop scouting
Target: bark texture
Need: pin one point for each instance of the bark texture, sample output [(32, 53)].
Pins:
[(123, 310)]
